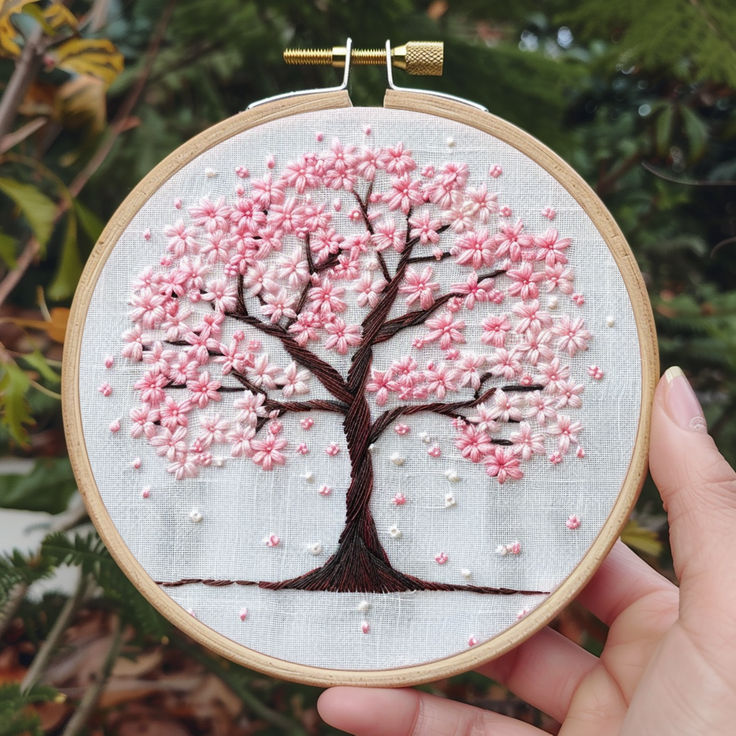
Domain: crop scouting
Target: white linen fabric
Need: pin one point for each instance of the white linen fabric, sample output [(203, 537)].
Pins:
[(241, 504)]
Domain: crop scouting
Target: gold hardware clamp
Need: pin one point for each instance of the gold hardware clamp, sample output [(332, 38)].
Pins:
[(423, 58)]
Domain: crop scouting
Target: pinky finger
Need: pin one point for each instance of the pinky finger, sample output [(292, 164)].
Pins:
[(377, 712)]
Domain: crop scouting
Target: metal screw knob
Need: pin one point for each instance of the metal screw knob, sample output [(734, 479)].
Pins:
[(423, 58)]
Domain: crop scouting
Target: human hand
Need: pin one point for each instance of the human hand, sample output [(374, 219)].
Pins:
[(669, 664)]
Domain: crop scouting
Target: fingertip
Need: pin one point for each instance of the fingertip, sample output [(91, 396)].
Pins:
[(369, 711)]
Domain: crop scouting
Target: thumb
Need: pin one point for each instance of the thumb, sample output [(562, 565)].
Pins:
[(698, 488)]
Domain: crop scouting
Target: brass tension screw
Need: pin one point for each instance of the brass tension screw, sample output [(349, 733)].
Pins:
[(423, 58)]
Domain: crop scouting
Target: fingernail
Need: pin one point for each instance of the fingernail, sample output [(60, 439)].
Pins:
[(681, 402)]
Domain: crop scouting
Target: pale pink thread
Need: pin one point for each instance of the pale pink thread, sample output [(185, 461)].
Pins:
[(332, 449), (505, 211), (146, 492), (337, 204), (521, 614), (549, 213), (147, 234), (105, 389), (243, 614), (399, 499), (367, 129), (319, 136), (573, 521), (579, 299), (109, 361), (434, 451), (177, 203), (509, 549), (307, 423), (472, 641), (555, 458), (114, 426), (595, 372), (402, 429), (441, 558), (365, 627), (272, 540), (324, 490), (495, 171), (242, 172), (270, 161), (136, 464), (302, 449), (580, 453)]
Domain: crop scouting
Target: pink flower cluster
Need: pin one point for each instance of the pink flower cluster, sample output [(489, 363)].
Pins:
[(283, 254)]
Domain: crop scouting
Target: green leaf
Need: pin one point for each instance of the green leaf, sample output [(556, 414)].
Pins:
[(70, 264), (15, 716), (37, 360), (7, 250), (14, 409), (696, 131), (38, 210), (664, 129), (48, 487), (88, 221), (17, 568)]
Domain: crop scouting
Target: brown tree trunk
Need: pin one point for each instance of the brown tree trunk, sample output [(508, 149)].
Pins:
[(360, 563)]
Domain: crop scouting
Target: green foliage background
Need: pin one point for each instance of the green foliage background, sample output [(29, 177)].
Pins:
[(638, 98)]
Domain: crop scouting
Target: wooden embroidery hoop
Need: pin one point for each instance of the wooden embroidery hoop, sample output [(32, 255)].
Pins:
[(565, 592)]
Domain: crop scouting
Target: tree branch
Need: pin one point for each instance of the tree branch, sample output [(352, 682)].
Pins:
[(321, 370), (25, 70), (450, 409)]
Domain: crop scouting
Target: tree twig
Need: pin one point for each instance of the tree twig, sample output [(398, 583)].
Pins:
[(43, 656), (229, 675), (32, 247), (89, 700), (21, 78)]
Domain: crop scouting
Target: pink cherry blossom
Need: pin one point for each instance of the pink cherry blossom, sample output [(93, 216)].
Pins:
[(527, 442), (566, 430), (341, 336), (474, 248), (525, 280), (503, 464), (511, 241), (419, 286), (294, 380), (445, 328), (495, 329), (267, 451), (473, 443), (572, 333)]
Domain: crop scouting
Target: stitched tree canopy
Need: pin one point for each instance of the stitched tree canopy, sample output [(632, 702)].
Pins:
[(372, 378)]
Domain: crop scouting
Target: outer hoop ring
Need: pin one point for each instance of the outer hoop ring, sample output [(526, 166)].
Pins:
[(563, 595)]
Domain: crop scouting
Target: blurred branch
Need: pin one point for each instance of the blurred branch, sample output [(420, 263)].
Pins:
[(88, 702), (229, 676), (116, 127), (25, 70), (688, 182), (43, 656), (121, 118)]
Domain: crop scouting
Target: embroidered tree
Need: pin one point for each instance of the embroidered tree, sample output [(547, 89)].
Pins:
[(285, 262)]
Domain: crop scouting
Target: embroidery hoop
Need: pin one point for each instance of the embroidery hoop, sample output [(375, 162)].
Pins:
[(292, 105)]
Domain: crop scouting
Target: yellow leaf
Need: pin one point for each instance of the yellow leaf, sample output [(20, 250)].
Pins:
[(96, 56), (8, 32), (641, 539), (57, 15), (81, 102), (56, 327)]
